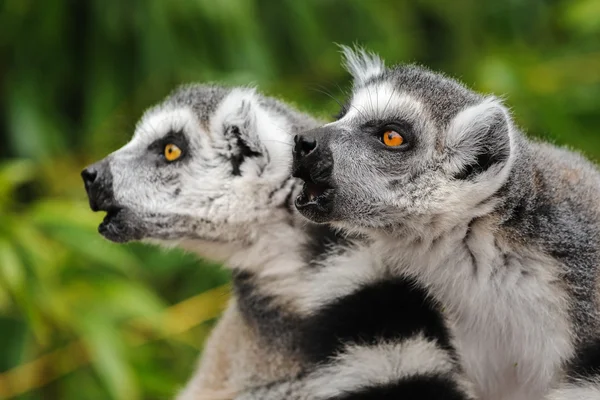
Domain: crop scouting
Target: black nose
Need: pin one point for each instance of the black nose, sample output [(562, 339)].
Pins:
[(98, 182), (304, 145), (89, 176)]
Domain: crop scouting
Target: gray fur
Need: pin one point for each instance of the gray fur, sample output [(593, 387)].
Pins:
[(503, 230)]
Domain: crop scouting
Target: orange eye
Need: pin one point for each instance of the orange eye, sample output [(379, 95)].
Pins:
[(172, 152), (392, 139)]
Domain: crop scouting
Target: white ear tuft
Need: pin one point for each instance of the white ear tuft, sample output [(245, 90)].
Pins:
[(478, 138), (239, 108), (239, 125), (361, 64), (237, 117)]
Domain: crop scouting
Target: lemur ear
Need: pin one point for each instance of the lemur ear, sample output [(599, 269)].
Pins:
[(241, 128), (243, 117), (361, 64), (478, 139)]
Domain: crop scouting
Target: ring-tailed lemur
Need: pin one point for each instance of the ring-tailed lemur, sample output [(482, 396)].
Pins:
[(312, 315), (503, 231)]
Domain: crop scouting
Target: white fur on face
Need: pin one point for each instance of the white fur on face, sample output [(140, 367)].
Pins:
[(140, 182), (379, 101), (202, 197), (157, 124)]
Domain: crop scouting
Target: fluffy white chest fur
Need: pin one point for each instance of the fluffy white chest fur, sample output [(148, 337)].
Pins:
[(506, 305)]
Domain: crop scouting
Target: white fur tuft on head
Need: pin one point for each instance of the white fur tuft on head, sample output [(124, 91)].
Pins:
[(361, 64)]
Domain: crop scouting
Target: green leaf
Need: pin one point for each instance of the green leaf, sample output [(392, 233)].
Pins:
[(12, 272), (109, 358), (13, 174)]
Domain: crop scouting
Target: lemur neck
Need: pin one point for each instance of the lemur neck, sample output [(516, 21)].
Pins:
[(269, 241), (276, 250)]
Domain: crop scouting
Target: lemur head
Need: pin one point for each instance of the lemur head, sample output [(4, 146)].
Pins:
[(205, 164), (411, 148)]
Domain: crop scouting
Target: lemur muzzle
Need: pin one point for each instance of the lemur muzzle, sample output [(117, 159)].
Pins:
[(97, 179)]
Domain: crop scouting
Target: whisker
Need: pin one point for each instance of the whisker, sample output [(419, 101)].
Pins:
[(280, 128), (278, 141), (377, 96), (344, 92), (390, 99), (340, 104), (316, 89), (371, 101), (362, 113)]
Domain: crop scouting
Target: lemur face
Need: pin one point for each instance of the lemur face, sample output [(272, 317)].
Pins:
[(409, 146), (191, 168)]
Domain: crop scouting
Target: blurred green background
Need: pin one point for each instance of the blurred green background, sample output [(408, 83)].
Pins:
[(81, 318)]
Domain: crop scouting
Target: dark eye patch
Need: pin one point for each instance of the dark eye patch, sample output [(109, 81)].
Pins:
[(176, 137)]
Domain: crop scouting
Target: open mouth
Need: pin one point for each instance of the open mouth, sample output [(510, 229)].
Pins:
[(313, 194), (118, 225), (112, 213), (112, 226), (316, 194)]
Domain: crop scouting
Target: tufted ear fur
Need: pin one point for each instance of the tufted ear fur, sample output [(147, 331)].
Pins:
[(478, 140), (241, 129), (361, 64)]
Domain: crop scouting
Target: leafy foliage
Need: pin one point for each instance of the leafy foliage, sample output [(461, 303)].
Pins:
[(81, 318)]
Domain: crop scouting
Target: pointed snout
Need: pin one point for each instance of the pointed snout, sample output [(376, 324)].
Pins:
[(312, 156), (89, 176), (97, 180), (311, 144)]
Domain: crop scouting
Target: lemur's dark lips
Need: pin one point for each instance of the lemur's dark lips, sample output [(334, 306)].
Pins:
[(113, 226), (314, 193), (111, 214)]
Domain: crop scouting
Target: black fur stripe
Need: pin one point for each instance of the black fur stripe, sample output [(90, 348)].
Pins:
[(421, 387), (387, 310), (586, 363)]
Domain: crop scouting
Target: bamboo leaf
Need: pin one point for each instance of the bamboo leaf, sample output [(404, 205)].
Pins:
[(109, 358)]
